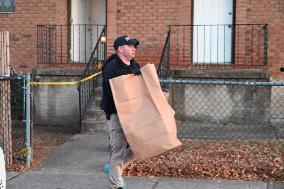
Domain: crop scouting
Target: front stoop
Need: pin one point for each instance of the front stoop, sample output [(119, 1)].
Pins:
[(94, 120)]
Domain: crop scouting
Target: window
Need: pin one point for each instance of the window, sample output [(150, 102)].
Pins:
[(7, 6)]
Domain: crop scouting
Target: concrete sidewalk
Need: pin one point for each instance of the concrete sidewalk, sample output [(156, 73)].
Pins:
[(78, 164)]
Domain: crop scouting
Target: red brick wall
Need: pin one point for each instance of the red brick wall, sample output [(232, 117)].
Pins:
[(272, 13), (22, 26), (147, 21)]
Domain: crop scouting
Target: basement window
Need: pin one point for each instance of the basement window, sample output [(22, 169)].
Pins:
[(7, 6)]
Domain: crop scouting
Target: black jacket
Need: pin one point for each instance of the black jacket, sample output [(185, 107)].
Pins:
[(114, 67)]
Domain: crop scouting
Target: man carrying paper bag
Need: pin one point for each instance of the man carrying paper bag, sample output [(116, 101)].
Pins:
[(120, 63), (136, 110)]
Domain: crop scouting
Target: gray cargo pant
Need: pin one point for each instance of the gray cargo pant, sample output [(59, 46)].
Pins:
[(121, 156)]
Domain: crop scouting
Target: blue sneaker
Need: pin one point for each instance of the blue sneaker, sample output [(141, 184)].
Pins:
[(106, 168)]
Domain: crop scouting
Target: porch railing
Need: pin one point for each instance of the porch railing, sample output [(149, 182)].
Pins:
[(163, 68), (60, 44), (87, 88), (238, 46)]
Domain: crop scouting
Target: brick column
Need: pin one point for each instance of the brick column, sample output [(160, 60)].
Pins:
[(111, 25)]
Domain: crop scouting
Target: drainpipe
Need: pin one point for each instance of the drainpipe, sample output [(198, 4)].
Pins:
[(28, 121)]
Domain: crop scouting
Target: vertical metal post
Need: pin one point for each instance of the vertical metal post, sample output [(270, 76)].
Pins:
[(265, 29), (49, 48), (85, 61), (37, 43), (80, 106), (105, 44), (28, 125)]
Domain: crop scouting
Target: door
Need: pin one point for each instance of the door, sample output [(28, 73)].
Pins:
[(88, 18), (212, 31)]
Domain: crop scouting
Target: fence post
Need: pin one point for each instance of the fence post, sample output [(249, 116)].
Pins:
[(4, 53), (80, 106), (28, 121)]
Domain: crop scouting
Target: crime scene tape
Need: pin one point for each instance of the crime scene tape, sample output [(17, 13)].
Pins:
[(65, 82)]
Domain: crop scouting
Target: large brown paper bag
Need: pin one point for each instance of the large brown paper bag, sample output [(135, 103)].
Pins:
[(146, 117)]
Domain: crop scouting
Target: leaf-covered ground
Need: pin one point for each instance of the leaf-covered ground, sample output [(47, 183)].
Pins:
[(241, 160), (213, 159)]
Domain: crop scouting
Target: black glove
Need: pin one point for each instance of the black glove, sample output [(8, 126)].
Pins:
[(136, 71)]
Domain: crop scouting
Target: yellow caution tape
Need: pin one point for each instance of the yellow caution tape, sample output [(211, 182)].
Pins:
[(90, 77), (66, 83), (54, 83)]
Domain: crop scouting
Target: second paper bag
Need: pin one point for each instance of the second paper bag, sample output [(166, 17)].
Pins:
[(146, 117)]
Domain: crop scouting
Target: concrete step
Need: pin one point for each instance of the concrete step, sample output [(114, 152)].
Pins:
[(93, 130), (94, 112), (94, 119), (92, 126), (95, 101), (99, 91)]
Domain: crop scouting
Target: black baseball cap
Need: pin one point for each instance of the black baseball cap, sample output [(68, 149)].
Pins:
[(124, 40)]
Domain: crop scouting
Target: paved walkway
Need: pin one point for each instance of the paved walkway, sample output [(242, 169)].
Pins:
[(78, 164)]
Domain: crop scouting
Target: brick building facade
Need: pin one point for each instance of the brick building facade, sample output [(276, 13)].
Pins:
[(22, 25), (146, 20)]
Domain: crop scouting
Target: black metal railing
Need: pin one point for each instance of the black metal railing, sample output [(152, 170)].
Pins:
[(60, 44), (238, 46), (98, 55), (163, 69), (96, 60)]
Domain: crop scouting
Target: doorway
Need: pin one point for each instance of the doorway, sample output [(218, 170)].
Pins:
[(212, 31), (88, 18)]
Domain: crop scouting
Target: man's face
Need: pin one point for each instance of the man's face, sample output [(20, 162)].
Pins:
[(128, 51)]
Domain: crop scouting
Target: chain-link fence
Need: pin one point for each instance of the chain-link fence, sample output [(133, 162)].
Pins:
[(228, 109), (5, 120), (13, 119)]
